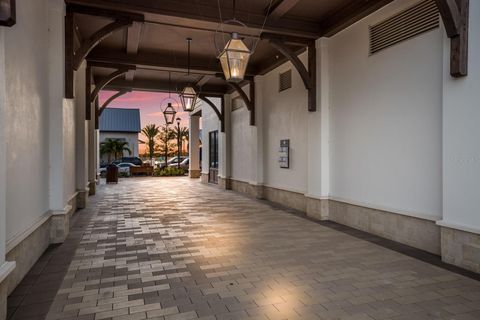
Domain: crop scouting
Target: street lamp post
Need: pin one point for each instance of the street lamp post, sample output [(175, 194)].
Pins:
[(169, 114), (178, 142)]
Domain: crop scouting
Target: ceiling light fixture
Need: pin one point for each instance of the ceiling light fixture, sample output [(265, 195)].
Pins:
[(188, 96)]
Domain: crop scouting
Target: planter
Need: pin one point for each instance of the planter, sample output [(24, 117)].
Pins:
[(112, 174)]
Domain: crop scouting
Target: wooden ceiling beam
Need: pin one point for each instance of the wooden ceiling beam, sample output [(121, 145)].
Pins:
[(133, 42), (349, 14), (158, 60), (280, 8), (162, 86), (194, 13), (101, 12)]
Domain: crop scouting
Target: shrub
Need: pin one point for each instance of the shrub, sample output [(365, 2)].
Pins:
[(170, 172)]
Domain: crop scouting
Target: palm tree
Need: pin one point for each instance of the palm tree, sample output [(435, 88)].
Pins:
[(184, 133), (114, 147), (166, 134), (151, 131)]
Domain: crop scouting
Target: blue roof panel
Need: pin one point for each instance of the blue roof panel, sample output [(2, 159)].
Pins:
[(120, 120)]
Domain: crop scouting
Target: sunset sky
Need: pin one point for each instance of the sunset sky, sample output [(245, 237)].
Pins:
[(150, 105)]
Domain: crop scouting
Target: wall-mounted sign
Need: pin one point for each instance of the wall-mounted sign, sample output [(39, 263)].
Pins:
[(7, 13), (284, 154)]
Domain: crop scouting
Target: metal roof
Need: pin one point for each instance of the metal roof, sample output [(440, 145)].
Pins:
[(120, 120)]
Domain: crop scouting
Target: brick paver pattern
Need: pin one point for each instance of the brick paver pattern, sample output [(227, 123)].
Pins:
[(172, 248)]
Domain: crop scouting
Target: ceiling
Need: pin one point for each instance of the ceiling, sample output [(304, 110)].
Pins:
[(155, 43)]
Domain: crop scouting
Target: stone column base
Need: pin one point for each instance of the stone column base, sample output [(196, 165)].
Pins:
[(204, 178), (5, 270), (224, 183), (92, 188), (82, 198), (318, 208), (194, 174), (460, 248), (60, 224)]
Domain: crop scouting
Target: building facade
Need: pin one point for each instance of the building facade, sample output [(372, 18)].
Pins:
[(392, 148), (121, 124)]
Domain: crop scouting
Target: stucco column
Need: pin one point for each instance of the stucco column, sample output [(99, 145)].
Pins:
[(5, 267), (194, 147), (258, 147), (92, 154), (81, 138), (224, 147), (61, 130), (460, 225), (318, 140)]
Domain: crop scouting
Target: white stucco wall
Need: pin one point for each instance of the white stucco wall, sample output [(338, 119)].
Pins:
[(242, 142), (285, 117), (461, 146), (386, 112), (27, 123)]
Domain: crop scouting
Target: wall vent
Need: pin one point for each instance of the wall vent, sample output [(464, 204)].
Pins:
[(407, 24), (285, 80)]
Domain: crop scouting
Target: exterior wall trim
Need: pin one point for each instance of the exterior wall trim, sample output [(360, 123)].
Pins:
[(446, 224), (381, 208), (17, 239), (5, 269)]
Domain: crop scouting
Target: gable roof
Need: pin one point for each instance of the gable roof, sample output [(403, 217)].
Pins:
[(120, 120)]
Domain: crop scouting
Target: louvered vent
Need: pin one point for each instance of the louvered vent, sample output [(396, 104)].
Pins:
[(407, 24), (285, 80)]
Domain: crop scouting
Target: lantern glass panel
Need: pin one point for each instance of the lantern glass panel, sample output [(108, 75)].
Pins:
[(234, 60), (188, 98), (169, 114)]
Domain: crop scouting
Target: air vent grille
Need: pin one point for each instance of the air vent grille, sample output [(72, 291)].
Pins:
[(407, 24), (285, 80)]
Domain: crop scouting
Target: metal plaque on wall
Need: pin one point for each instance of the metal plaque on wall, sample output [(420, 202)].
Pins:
[(284, 154)]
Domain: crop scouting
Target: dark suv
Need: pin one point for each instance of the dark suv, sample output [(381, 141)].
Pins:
[(133, 160)]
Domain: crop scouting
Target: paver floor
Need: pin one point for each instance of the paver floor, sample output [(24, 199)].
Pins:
[(171, 248)]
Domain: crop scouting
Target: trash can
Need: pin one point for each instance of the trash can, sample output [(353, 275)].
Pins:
[(112, 173)]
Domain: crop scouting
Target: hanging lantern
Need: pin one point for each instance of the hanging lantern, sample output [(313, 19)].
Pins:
[(234, 59), (188, 98), (169, 114)]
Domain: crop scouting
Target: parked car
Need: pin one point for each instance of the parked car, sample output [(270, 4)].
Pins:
[(172, 161), (124, 167), (134, 160), (184, 164)]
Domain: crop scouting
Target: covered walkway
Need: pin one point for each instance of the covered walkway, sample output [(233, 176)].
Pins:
[(173, 248)]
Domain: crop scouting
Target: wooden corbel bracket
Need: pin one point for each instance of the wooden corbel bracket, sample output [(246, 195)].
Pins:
[(249, 102), (308, 76), (220, 114), (455, 19)]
